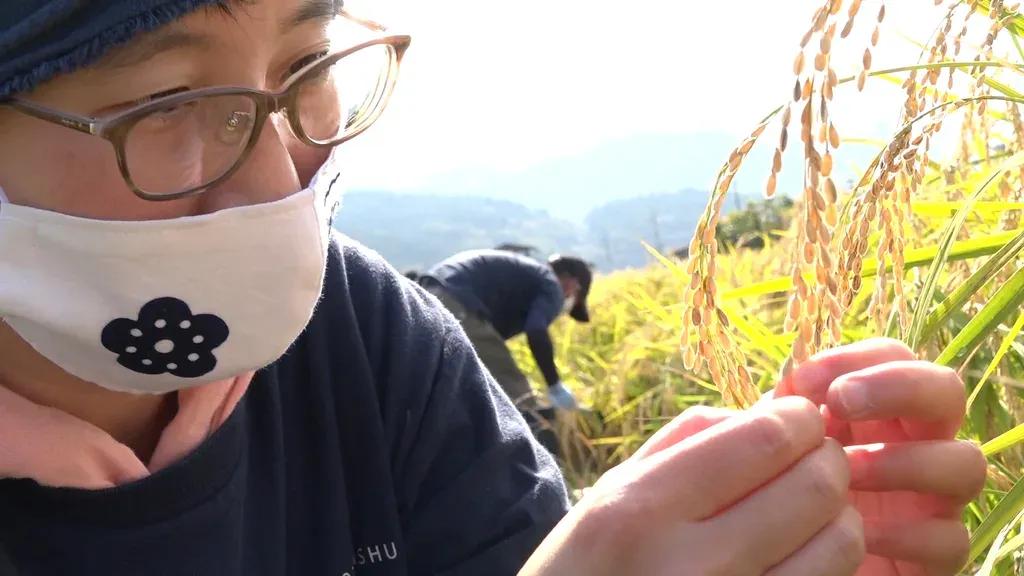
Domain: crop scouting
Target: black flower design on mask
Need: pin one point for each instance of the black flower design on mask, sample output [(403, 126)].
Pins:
[(167, 338)]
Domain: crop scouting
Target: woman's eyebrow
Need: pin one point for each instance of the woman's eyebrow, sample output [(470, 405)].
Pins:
[(313, 10), (150, 45)]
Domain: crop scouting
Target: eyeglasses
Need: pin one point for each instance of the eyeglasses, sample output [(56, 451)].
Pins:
[(186, 143)]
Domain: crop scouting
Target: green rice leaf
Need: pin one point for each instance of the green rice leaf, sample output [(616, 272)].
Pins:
[(964, 250), (948, 209), (1003, 441), (1004, 303), (955, 301), (997, 545), (1002, 515), (949, 235), (1010, 547), (1003, 348)]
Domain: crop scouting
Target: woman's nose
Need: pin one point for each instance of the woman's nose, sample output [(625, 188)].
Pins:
[(306, 159)]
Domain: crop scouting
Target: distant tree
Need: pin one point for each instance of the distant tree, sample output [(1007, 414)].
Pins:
[(748, 228), (523, 249)]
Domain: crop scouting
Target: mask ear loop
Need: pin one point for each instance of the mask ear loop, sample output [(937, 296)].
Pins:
[(327, 186), (332, 201)]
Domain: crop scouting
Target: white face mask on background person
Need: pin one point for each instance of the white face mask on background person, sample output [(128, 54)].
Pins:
[(152, 307), (568, 303)]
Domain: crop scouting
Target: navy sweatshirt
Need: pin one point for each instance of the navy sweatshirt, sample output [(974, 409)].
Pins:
[(515, 293), (378, 445)]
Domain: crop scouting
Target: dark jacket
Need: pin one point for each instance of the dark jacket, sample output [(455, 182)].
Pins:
[(378, 445)]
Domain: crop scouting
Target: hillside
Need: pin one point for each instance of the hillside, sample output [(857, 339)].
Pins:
[(570, 187), (414, 231), (665, 221)]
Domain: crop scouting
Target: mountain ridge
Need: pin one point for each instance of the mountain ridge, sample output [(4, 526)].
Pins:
[(414, 231), (600, 203)]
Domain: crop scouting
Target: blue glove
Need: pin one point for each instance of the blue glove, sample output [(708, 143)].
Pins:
[(561, 397)]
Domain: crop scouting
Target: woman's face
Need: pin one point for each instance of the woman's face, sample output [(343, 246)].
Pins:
[(256, 44)]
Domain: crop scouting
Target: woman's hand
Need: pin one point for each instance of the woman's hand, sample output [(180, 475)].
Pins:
[(910, 479), (717, 492)]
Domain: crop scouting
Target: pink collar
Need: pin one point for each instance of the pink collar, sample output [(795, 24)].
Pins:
[(56, 449)]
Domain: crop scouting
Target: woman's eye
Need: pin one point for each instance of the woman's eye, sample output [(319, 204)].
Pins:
[(306, 61), (175, 109), (159, 95), (123, 106), (170, 116)]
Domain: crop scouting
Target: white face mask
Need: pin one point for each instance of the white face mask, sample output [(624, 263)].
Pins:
[(568, 303), (158, 306)]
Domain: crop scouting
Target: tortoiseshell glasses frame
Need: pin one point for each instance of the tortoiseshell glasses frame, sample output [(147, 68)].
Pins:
[(116, 127)]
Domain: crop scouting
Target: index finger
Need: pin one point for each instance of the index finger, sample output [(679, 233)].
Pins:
[(929, 399), (719, 466), (813, 378)]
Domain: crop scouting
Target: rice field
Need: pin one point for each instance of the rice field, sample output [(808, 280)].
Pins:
[(926, 247)]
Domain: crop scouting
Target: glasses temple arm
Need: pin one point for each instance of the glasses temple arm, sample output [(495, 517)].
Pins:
[(73, 121)]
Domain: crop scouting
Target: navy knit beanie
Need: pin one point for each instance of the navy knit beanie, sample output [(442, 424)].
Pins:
[(40, 39)]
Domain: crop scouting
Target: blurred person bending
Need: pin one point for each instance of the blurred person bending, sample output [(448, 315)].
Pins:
[(499, 294)]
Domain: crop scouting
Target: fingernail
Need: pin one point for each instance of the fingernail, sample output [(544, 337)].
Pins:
[(786, 369), (854, 400)]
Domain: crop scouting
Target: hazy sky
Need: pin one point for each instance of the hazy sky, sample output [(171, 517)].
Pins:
[(504, 85)]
